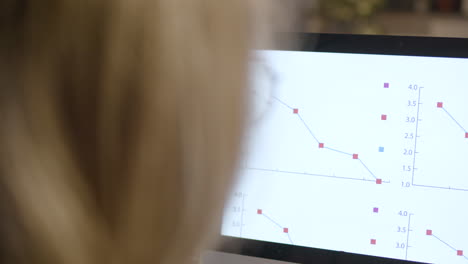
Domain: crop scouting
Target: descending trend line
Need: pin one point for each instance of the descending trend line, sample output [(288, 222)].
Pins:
[(322, 145), (285, 229), (459, 252), (441, 106)]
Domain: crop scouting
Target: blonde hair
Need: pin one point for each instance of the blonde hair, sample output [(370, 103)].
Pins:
[(121, 125)]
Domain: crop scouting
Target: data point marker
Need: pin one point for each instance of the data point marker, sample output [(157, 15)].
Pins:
[(378, 181), (440, 105), (429, 232), (459, 252), (383, 117), (321, 145), (373, 241), (381, 149), (295, 111), (286, 230), (386, 85), (376, 210), (466, 135), (259, 211), (355, 156)]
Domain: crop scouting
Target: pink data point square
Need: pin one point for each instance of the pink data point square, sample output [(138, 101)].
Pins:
[(286, 230), (355, 156), (259, 211), (378, 181), (459, 252), (466, 135), (373, 241), (383, 117), (440, 104), (295, 111), (321, 145), (429, 232)]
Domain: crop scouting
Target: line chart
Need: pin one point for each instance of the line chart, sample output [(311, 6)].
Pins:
[(321, 145), (285, 230), (318, 144), (459, 252), (450, 116), (441, 106)]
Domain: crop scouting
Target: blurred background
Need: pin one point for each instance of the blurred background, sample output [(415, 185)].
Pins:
[(441, 18)]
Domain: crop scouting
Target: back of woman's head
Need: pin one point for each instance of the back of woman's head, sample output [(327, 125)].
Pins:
[(120, 126)]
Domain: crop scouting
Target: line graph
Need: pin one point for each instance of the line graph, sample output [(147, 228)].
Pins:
[(318, 144), (321, 145), (459, 252), (441, 106), (284, 229)]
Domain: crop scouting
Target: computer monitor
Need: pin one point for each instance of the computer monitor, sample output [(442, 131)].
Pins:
[(357, 152)]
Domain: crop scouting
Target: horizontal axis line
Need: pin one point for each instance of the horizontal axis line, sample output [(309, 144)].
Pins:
[(314, 175), (440, 187)]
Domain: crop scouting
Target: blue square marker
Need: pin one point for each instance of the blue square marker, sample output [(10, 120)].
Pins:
[(381, 149)]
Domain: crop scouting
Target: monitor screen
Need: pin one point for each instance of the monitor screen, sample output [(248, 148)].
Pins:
[(357, 153)]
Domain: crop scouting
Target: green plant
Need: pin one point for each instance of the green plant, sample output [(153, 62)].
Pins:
[(351, 16), (349, 10)]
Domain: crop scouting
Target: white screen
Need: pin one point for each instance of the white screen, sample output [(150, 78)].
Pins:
[(403, 196)]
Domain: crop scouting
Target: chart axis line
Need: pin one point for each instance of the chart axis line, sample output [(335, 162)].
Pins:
[(439, 187), (314, 175)]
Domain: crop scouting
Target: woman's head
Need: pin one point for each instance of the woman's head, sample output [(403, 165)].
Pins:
[(121, 125)]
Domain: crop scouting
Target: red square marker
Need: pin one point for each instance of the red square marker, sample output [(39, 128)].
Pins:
[(295, 111), (321, 145), (378, 181), (440, 105), (386, 85), (376, 210), (373, 241), (459, 252), (259, 211), (286, 230), (466, 135), (429, 232), (384, 117), (355, 156)]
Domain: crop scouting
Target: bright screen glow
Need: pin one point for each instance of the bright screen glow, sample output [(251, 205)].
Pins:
[(358, 153)]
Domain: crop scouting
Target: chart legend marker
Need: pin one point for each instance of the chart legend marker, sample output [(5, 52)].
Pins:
[(383, 117), (373, 242), (295, 111), (259, 211), (381, 149), (376, 210), (386, 85), (440, 105)]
